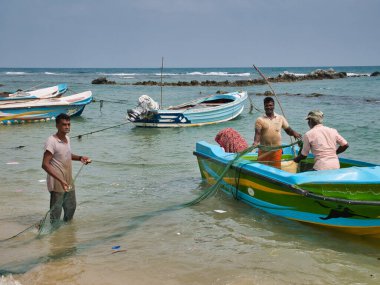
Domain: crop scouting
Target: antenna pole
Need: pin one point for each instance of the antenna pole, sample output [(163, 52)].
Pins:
[(162, 67)]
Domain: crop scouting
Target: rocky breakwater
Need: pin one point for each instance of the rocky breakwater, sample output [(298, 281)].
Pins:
[(318, 74)]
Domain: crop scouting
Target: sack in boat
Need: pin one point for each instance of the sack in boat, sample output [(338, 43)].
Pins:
[(230, 140)]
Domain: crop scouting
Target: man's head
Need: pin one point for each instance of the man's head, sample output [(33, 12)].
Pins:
[(62, 122), (268, 106), (315, 117)]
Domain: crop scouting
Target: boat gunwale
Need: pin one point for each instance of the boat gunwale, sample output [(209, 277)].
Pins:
[(61, 101), (292, 187), (193, 109)]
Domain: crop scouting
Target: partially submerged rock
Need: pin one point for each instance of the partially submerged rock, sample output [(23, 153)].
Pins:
[(102, 80)]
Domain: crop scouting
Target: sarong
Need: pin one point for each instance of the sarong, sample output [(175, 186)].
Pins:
[(272, 157)]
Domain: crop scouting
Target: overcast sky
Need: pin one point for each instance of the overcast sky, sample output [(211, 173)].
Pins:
[(189, 33)]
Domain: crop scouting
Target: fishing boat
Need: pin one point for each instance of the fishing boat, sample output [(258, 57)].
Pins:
[(43, 93), (345, 199), (44, 109), (203, 111)]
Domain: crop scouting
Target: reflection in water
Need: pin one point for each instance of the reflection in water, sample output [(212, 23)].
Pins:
[(63, 242)]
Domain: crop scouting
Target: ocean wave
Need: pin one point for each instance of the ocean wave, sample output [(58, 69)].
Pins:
[(220, 73), (352, 74), (168, 74), (293, 73), (53, 73), (15, 73), (118, 74)]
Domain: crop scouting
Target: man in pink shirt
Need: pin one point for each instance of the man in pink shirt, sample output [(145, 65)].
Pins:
[(322, 142), (56, 162)]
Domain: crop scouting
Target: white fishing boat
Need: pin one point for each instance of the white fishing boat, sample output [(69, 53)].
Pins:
[(203, 111), (49, 92), (44, 109)]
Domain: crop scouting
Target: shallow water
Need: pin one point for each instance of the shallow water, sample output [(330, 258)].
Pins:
[(137, 173)]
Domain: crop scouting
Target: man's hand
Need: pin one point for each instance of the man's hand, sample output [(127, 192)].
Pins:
[(85, 160)]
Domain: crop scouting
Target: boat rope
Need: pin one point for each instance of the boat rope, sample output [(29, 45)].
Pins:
[(121, 101), (34, 87), (252, 105), (97, 131)]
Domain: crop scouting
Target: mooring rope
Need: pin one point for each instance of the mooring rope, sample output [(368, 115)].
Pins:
[(97, 131)]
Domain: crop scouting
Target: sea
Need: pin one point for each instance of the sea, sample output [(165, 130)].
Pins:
[(121, 233)]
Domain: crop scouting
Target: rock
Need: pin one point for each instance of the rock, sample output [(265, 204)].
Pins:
[(376, 73), (102, 80)]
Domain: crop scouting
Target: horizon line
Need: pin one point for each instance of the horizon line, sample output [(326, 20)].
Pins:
[(203, 67)]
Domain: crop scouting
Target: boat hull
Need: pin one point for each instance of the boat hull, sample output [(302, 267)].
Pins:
[(282, 194), (44, 110), (49, 92), (191, 117)]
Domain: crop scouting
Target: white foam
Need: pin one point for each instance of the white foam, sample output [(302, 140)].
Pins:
[(292, 73), (352, 74), (8, 280), (15, 73), (52, 73), (221, 73), (167, 74), (119, 74)]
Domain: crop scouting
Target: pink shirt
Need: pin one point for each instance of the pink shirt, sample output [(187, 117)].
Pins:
[(322, 142), (61, 162)]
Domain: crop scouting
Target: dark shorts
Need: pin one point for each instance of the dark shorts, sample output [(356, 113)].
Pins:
[(59, 200)]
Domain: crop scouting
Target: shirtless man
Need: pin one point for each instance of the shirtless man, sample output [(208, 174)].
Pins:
[(268, 133)]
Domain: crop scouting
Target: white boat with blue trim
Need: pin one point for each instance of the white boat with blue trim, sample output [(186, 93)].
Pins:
[(203, 111), (44, 93), (44, 109)]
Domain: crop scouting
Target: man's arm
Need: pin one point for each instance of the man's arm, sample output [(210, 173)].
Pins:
[(299, 158), (256, 140), (341, 148), (83, 159), (293, 133)]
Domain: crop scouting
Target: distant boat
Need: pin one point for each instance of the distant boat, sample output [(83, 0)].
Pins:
[(43, 93), (207, 110), (44, 109), (345, 199)]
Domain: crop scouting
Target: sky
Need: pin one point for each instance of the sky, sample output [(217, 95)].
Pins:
[(189, 33)]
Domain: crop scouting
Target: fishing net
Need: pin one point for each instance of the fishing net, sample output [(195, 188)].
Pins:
[(44, 226)]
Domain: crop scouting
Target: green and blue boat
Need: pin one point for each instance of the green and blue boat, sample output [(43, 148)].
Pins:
[(345, 199)]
